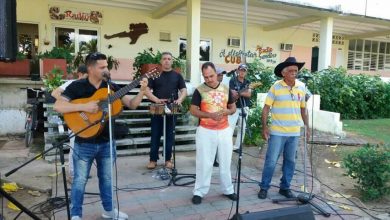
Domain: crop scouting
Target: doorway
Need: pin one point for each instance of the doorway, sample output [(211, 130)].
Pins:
[(314, 59), (28, 39)]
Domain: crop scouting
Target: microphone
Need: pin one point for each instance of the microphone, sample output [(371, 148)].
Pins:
[(107, 76), (231, 73)]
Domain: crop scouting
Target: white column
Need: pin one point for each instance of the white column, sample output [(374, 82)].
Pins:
[(193, 40), (325, 53)]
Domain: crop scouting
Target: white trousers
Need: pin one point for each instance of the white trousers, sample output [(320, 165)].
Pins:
[(233, 122), (207, 143)]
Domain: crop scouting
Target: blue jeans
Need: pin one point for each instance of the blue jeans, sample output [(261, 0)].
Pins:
[(157, 124), (83, 156), (277, 144)]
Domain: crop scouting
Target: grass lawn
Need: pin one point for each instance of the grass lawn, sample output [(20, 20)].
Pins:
[(375, 129)]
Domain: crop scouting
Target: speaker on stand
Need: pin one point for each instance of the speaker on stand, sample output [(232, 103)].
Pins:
[(301, 212), (8, 36)]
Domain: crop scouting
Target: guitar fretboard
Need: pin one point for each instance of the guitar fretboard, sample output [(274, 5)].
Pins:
[(123, 91)]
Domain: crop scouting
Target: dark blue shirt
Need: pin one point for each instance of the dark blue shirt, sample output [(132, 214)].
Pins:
[(236, 85)]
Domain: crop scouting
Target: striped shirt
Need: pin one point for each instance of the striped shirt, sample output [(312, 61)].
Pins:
[(286, 104)]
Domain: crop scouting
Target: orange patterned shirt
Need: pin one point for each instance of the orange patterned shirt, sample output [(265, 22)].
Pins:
[(212, 100)]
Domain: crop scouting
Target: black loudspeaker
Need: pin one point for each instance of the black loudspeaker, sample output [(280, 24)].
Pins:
[(8, 38), (302, 212)]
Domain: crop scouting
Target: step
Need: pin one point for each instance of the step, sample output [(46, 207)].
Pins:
[(135, 112), (146, 140), (54, 151), (146, 120), (48, 105), (147, 130), (51, 156), (145, 151), (133, 120), (46, 124)]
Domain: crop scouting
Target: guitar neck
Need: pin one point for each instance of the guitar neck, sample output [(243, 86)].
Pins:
[(123, 91)]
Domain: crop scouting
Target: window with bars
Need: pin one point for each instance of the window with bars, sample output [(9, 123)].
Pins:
[(368, 55), (336, 39)]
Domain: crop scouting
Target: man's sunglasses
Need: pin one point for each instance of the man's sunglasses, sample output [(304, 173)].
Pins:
[(95, 56)]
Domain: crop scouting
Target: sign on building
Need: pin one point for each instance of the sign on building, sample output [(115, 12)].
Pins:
[(75, 15)]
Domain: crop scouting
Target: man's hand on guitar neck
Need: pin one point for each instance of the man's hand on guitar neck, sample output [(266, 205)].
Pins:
[(244, 93), (144, 84), (91, 107)]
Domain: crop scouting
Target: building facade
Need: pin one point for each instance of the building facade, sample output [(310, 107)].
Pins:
[(199, 31)]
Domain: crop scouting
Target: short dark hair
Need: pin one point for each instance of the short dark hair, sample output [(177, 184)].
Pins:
[(207, 64), (82, 69), (166, 53), (92, 58)]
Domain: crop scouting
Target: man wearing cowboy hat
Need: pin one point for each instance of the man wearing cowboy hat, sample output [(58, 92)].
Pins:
[(286, 100)]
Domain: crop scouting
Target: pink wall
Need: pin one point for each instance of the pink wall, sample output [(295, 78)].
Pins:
[(125, 70), (303, 54)]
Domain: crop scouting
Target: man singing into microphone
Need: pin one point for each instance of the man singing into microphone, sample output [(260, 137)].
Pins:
[(96, 148)]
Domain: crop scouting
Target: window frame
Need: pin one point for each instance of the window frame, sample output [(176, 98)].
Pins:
[(77, 31), (201, 39), (371, 60)]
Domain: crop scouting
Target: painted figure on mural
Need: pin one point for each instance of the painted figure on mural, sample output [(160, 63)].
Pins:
[(136, 30)]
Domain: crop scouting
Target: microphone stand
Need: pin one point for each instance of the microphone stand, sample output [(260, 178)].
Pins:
[(174, 172), (108, 80), (237, 215), (305, 197), (62, 159)]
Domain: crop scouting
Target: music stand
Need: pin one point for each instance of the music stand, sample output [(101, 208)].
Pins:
[(174, 172)]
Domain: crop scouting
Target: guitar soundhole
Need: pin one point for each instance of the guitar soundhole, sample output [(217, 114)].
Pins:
[(103, 105)]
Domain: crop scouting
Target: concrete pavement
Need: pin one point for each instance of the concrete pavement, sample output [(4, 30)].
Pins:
[(142, 194)]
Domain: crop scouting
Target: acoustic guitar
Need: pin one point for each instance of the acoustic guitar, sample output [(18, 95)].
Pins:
[(78, 121), (250, 86)]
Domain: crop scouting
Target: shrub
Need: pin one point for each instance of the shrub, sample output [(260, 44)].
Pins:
[(258, 72), (57, 53), (53, 79), (354, 96), (149, 57), (255, 127), (370, 165)]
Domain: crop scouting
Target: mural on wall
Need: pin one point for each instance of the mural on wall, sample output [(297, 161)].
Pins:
[(73, 14), (264, 54), (136, 30)]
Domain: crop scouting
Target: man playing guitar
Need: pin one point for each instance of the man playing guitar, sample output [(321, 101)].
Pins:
[(240, 88), (86, 150)]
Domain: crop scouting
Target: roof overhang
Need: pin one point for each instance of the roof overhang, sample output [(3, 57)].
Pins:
[(267, 14)]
